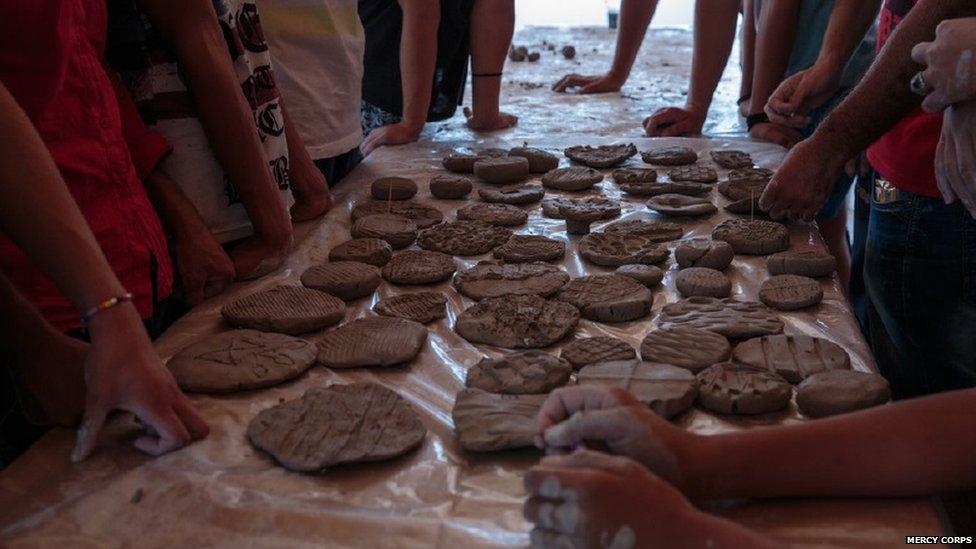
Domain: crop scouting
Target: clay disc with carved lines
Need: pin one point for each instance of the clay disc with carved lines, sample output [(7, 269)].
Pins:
[(502, 215), (616, 249), (730, 388), (732, 318), (285, 309), (753, 237), (607, 298), (608, 208), (372, 251), (657, 231), (398, 232), (679, 205), (523, 248), (574, 178), (489, 422), (670, 156), (689, 348), (463, 238), (695, 173), (529, 372), (423, 215), (372, 341), (422, 307), (590, 350), (790, 292), (494, 279), (419, 267), (602, 156), (517, 321), (666, 389), (656, 188), (795, 357), (526, 194), (634, 175), (732, 159)]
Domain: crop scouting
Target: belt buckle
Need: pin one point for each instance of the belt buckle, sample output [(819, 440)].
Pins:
[(885, 192)]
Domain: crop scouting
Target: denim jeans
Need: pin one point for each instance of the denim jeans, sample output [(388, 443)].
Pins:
[(920, 275)]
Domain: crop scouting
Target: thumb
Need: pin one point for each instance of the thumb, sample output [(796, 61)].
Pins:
[(597, 425), (91, 426)]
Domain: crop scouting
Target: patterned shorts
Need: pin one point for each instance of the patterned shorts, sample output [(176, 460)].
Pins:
[(372, 117)]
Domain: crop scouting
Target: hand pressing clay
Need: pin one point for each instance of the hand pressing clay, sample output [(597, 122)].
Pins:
[(702, 281), (657, 231), (704, 252), (372, 341), (501, 170), (665, 389), (486, 422), (517, 322), (240, 360), (728, 317), (393, 188), (575, 178), (527, 194), (525, 248), (371, 251), (732, 160), (422, 307), (648, 275), (634, 175), (522, 373), (694, 173), (790, 292), (487, 280), (285, 309), (419, 267), (730, 388), (607, 298), (590, 350), (793, 357), (502, 215), (398, 232), (814, 264), (423, 215), (450, 187), (463, 238), (460, 162), (347, 280), (693, 349), (540, 161), (670, 156), (603, 156), (328, 426), (840, 392), (651, 188), (679, 205), (608, 208), (616, 249), (753, 237)]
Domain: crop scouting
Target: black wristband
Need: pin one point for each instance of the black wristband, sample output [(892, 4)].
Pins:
[(485, 74), (758, 118)]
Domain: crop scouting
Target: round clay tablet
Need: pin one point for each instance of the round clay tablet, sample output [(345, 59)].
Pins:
[(603, 156), (608, 208), (371, 251), (240, 360), (616, 249), (665, 389), (748, 206), (500, 170), (702, 281), (607, 298), (751, 173), (347, 280), (753, 237), (634, 175), (731, 318), (463, 238), (651, 188), (460, 162), (840, 392), (486, 280), (488, 422), (730, 388), (450, 187), (517, 321), (694, 173), (731, 160), (393, 188), (704, 252), (590, 350), (670, 156), (679, 205), (540, 161), (422, 307), (329, 426), (523, 248), (689, 348), (515, 195), (810, 263), (285, 309), (648, 275), (522, 373), (790, 292), (502, 215), (575, 178), (793, 357), (371, 341), (743, 189), (423, 215), (657, 231), (419, 267), (398, 232)]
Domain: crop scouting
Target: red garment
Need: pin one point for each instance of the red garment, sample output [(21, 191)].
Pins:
[(905, 155), (51, 61)]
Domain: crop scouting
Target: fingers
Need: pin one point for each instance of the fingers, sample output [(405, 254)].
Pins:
[(568, 81), (589, 459), (941, 175), (195, 425), (783, 103), (567, 401), (920, 53), (372, 141), (171, 432), (557, 515), (661, 119), (91, 426), (596, 425)]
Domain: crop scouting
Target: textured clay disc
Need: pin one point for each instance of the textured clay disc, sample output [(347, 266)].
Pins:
[(524, 248), (393, 188), (460, 162), (502, 215), (730, 388), (423, 215), (732, 160), (575, 178), (372, 341), (398, 232), (540, 161), (743, 189), (657, 231), (753, 237), (651, 188), (501, 170), (702, 281), (616, 249), (814, 264), (665, 389), (704, 252), (329, 426), (422, 307), (751, 173), (523, 373), (526, 194), (488, 422), (689, 348), (240, 360), (590, 350), (634, 175), (694, 173), (517, 322), (450, 187), (608, 208), (648, 275), (285, 309), (670, 156), (419, 267), (607, 298), (790, 292), (346, 280), (371, 251), (793, 357), (840, 392), (463, 238), (486, 280), (731, 318), (603, 156), (679, 205)]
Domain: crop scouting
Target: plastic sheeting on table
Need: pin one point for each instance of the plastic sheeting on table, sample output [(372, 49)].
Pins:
[(220, 491)]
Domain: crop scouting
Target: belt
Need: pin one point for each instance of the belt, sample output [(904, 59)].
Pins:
[(885, 192)]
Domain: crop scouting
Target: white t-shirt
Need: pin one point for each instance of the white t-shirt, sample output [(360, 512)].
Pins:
[(317, 47)]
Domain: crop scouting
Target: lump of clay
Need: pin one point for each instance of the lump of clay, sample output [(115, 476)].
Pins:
[(790, 292), (486, 280), (729, 317), (574, 178), (463, 238), (450, 187), (607, 298), (398, 232), (665, 389), (517, 53), (540, 161), (657, 231), (568, 52), (339, 424), (695, 173), (371, 251), (524, 248), (704, 252), (693, 349), (347, 280), (517, 322), (393, 188), (795, 357), (502, 215), (423, 215), (460, 162), (730, 388), (419, 267), (285, 309), (648, 275), (603, 156), (522, 373), (579, 218), (679, 205), (526, 194), (814, 264), (372, 341), (422, 307), (590, 350), (702, 281), (732, 160), (608, 208), (634, 175), (670, 156), (488, 422), (616, 249), (533, 57), (840, 392), (753, 237), (500, 170)]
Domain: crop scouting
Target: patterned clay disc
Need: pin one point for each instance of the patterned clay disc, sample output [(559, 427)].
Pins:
[(463, 238)]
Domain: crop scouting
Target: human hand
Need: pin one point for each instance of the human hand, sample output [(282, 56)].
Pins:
[(955, 157), (950, 64), (499, 121), (123, 372), (784, 136), (204, 267), (674, 122), (392, 134), (799, 94), (802, 183), (312, 195), (588, 84), (259, 255)]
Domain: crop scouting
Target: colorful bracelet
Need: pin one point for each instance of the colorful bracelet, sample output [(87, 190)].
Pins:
[(104, 306)]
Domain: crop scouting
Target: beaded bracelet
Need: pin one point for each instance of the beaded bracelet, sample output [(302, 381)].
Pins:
[(104, 306)]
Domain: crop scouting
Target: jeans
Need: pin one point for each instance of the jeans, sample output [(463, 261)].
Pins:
[(920, 276)]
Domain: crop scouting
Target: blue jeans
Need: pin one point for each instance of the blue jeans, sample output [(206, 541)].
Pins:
[(920, 275)]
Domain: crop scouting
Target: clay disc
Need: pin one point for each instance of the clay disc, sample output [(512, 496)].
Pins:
[(607, 298), (517, 322), (590, 350), (502, 215), (522, 373), (398, 232), (731, 318), (840, 392), (540, 161), (450, 187), (371, 251), (665, 389), (695, 173), (500, 170), (488, 422), (732, 160), (743, 189), (487, 279), (329, 426), (753, 237), (751, 173), (423, 215), (419, 267), (657, 231), (240, 360), (790, 292), (460, 162), (679, 205), (634, 175), (793, 357), (814, 264), (527, 194), (616, 249), (371, 341), (651, 188), (603, 156), (463, 238), (523, 248), (704, 252), (285, 309), (702, 281), (347, 280), (670, 156), (689, 348), (422, 307), (730, 388), (575, 178), (648, 275), (749, 206), (393, 188), (608, 208)]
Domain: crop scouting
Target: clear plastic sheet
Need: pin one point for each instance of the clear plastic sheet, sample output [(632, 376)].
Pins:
[(222, 492)]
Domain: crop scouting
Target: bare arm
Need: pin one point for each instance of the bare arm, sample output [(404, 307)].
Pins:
[(774, 43), (849, 22), (747, 54), (492, 24), (311, 190)]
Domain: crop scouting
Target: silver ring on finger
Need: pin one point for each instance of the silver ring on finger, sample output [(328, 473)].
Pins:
[(919, 86)]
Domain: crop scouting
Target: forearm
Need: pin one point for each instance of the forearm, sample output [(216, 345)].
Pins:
[(748, 48), (418, 57), (714, 36), (179, 216), (774, 42), (849, 22), (298, 156), (492, 24), (635, 16)]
